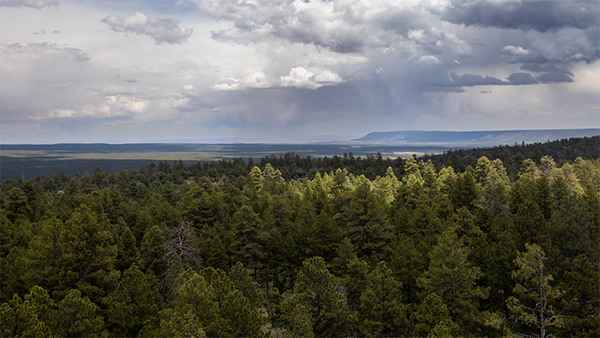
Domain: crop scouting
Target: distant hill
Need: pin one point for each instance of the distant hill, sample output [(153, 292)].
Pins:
[(476, 138)]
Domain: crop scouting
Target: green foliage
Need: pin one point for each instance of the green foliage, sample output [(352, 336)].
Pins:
[(152, 251), (532, 303), (89, 249), (454, 278), (15, 205), (321, 295), (78, 317), (292, 246), (432, 319), (135, 301), (382, 313), (29, 317)]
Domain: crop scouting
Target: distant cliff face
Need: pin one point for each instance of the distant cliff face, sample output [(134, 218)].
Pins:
[(476, 137)]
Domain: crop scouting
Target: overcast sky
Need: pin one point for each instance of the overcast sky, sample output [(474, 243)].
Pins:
[(291, 71)]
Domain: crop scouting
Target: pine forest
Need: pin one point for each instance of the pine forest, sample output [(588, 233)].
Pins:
[(504, 243)]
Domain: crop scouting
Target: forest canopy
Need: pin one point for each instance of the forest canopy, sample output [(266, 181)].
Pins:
[(496, 244)]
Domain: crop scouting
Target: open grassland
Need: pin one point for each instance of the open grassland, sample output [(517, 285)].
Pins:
[(65, 155), (207, 152), (28, 161)]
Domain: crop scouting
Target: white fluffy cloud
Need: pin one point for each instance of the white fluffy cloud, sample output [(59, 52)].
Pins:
[(302, 78), (254, 80), (298, 77), (161, 30), (515, 50)]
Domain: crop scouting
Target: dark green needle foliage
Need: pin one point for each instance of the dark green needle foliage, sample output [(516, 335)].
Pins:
[(470, 243)]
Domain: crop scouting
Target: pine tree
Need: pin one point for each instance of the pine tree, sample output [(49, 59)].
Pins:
[(453, 276), (88, 247), (247, 226), (365, 222), (382, 313), (300, 323), (322, 295), (408, 262), (532, 304), (135, 301), (78, 317), (580, 304), (128, 253), (15, 205), (152, 249), (29, 317), (432, 319), (46, 257), (194, 299)]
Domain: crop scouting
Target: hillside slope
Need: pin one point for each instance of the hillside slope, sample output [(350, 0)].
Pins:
[(499, 137)]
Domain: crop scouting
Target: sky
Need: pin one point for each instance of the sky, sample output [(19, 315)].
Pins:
[(221, 71)]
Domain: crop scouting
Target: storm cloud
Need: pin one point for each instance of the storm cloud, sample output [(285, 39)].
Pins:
[(541, 16), (195, 70)]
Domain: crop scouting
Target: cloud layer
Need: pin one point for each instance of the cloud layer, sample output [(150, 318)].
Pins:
[(29, 3), (161, 30), (248, 70), (541, 16)]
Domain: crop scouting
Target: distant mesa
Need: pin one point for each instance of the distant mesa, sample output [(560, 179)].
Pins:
[(483, 138)]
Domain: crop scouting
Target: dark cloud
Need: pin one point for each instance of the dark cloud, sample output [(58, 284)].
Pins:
[(342, 27), (438, 89), (551, 73), (470, 80), (255, 25), (37, 4), (541, 16), (161, 30), (555, 77), (521, 79), (537, 68)]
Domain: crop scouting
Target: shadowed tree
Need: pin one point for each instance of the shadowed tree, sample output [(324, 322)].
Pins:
[(453, 276), (135, 300), (89, 248), (382, 313), (432, 319), (322, 295), (78, 317)]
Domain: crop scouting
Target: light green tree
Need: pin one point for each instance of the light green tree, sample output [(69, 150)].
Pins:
[(28, 317)]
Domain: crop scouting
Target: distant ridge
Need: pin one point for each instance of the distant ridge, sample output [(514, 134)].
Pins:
[(498, 137)]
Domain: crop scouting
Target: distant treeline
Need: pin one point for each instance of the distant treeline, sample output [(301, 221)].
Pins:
[(561, 150), (293, 166), (27, 168)]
